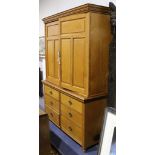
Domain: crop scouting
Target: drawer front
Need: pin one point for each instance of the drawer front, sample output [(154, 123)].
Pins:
[(52, 29), (53, 93), (71, 115), (51, 102), (71, 129), (73, 26), (72, 103), (53, 116)]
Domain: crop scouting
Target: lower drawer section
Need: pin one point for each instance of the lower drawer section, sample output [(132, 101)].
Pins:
[(71, 129), (53, 116)]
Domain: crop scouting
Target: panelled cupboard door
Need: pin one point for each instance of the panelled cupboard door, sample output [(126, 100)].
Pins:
[(52, 53), (73, 47), (52, 61)]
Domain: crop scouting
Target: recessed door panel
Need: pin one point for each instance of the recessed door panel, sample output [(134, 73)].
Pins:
[(78, 62), (66, 61), (50, 55), (53, 30), (56, 73), (73, 26), (52, 61)]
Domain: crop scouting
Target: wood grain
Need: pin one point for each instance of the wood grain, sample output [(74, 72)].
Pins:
[(71, 129), (53, 115), (100, 37), (51, 92), (93, 118), (53, 103), (71, 114)]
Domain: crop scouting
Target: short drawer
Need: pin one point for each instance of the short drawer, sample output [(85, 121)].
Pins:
[(51, 102), (53, 115), (72, 103), (53, 93), (72, 115), (71, 129)]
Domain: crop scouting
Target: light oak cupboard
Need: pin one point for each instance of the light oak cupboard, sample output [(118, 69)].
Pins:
[(76, 85)]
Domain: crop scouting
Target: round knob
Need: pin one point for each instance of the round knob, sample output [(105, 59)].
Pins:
[(70, 102), (70, 128), (51, 114), (70, 115), (51, 103), (51, 92)]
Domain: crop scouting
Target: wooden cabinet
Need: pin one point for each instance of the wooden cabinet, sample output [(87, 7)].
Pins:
[(76, 85)]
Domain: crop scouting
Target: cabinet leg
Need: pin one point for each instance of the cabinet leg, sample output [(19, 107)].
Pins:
[(83, 149)]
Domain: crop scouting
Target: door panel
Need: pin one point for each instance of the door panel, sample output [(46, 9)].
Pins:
[(52, 61), (74, 34), (78, 62), (73, 26), (50, 45), (66, 61), (53, 30), (73, 64), (56, 73)]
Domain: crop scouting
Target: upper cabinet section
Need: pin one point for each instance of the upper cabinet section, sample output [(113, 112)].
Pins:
[(77, 49)]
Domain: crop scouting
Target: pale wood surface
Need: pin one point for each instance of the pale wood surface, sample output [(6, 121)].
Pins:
[(84, 46), (85, 118), (53, 115), (52, 47), (72, 26), (53, 29), (51, 92), (71, 115), (53, 103), (77, 79), (93, 118), (100, 38), (73, 50), (71, 103), (71, 129)]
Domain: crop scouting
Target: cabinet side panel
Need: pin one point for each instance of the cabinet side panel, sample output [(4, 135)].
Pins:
[(100, 38), (93, 118)]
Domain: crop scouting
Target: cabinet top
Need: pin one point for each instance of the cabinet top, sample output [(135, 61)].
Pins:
[(80, 9)]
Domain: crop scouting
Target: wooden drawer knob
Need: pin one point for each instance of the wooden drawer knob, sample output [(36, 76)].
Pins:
[(51, 103), (70, 102), (70, 115), (51, 114), (51, 92), (70, 129)]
